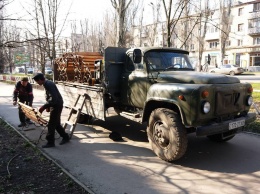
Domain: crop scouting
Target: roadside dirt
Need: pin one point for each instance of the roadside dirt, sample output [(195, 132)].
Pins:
[(23, 169)]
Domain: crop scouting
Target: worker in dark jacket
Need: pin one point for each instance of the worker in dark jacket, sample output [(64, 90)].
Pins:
[(54, 105), (24, 92)]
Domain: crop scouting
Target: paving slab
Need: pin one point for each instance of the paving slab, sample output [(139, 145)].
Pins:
[(105, 166)]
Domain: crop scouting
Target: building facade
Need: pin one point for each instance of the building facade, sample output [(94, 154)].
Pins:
[(242, 46)]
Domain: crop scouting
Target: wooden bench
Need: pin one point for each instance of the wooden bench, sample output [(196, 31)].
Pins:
[(35, 117)]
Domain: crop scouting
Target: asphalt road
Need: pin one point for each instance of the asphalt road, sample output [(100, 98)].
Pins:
[(108, 167), (249, 78)]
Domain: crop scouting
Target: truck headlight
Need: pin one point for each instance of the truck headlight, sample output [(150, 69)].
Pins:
[(249, 100), (205, 107)]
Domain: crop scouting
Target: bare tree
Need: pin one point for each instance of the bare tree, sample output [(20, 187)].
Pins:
[(75, 38), (41, 43), (84, 32), (6, 49), (204, 13), (153, 29), (109, 34), (141, 27), (134, 19), (173, 16), (1, 36), (47, 27), (186, 25), (11, 37), (224, 25), (48, 18), (121, 7)]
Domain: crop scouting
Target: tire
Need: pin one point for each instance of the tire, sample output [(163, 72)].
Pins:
[(219, 137), (232, 73), (167, 135)]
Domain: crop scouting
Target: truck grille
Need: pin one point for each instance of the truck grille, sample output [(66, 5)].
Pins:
[(228, 102)]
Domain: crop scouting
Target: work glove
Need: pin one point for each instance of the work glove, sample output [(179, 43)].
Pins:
[(14, 103), (41, 109)]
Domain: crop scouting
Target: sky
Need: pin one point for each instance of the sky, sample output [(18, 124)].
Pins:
[(78, 10), (91, 9)]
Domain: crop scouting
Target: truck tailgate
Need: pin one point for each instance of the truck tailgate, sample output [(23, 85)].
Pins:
[(94, 104)]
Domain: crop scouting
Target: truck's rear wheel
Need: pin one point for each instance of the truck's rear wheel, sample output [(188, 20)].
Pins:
[(167, 135)]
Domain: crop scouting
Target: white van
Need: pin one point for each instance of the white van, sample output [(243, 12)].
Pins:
[(19, 70)]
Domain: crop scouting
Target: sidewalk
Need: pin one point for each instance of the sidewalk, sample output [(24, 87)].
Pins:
[(106, 167), (32, 133), (88, 155)]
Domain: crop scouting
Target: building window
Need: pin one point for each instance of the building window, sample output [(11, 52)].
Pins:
[(213, 44), (240, 27), (212, 29), (192, 47), (240, 11), (254, 23), (239, 42), (256, 40), (256, 7), (228, 43)]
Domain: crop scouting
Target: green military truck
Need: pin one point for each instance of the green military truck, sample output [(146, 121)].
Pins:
[(160, 87)]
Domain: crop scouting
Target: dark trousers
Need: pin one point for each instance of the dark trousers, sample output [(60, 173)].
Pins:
[(20, 112), (55, 123)]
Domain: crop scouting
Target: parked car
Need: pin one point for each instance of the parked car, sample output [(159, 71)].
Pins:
[(48, 70), (19, 70), (254, 68), (228, 69), (30, 70)]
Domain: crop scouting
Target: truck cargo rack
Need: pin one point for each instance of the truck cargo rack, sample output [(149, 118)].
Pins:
[(96, 87)]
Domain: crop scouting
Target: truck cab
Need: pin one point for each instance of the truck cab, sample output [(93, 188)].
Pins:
[(159, 86)]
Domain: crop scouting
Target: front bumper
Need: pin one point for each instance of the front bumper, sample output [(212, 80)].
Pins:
[(216, 128)]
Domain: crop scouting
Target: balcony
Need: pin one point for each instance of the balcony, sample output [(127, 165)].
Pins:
[(254, 15), (212, 36), (254, 31)]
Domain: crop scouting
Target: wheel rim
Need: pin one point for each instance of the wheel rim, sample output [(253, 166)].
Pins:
[(161, 135)]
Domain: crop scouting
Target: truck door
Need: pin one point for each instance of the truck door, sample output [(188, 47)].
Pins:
[(134, 84)]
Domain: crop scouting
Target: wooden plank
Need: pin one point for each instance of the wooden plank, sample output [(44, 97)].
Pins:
[(32, 114), (77, 67)]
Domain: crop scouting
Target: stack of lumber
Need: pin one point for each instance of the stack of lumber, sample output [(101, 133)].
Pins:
[(77, 67)]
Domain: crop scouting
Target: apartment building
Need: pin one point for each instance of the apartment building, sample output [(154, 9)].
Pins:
[(241, 48), (243, 44)]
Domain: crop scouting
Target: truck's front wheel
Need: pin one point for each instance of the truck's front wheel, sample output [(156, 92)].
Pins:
[(167, 135)]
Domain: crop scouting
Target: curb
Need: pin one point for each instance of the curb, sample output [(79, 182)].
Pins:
[(251, 133), (48, 157)]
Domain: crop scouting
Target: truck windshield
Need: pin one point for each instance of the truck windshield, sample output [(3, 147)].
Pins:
[(156, 60)]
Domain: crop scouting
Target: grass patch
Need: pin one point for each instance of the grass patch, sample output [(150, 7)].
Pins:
[(256, 86), (256, 96), (255, 126)]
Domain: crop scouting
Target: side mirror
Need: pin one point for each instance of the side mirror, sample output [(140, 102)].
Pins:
[(137, 56)]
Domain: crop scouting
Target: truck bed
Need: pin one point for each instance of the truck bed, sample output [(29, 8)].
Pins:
[(94, 103)]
